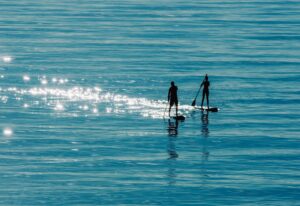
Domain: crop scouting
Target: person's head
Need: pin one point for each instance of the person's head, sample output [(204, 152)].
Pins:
[(172, 83), (206, 77)]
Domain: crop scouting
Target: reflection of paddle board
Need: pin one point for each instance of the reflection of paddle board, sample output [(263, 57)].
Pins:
[(211, 109)]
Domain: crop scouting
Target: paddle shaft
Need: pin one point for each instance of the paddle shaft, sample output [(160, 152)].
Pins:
[(194, 102), (198, 93)]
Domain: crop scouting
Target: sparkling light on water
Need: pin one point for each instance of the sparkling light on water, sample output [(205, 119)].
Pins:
[(7, 132), (59, 107), (44, 81), (26, 78), (88, 99), (54, 80), (7, 59)]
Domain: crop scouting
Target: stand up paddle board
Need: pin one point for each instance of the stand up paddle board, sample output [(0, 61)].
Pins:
[(211, 109), (179, 117)]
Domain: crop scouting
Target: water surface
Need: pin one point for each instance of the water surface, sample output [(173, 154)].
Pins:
[(83, 89)]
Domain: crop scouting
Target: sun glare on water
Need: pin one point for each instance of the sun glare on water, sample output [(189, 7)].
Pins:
[(7, 132), (7, 59), (26, 78), (85, 100)]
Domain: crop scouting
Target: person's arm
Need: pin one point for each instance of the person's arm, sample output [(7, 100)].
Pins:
[(169, 94)]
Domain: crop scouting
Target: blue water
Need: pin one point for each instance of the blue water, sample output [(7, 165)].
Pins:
[(83, 90)]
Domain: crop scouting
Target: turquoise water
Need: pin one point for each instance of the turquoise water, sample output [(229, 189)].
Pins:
[(83, 90)]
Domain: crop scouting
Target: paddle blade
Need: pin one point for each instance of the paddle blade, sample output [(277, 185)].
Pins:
[(194, 103)]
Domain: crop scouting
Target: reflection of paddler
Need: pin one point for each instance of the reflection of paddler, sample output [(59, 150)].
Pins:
[(205, 134), (172, 130), (205, 121), (172, 97), (173, 127)]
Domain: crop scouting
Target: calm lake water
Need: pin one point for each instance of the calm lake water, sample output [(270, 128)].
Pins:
[(83, 90)]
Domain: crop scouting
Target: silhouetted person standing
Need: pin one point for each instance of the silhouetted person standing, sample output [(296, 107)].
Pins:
[(205, 85), (172, 97)]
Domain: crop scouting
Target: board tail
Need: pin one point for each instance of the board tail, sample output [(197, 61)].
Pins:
[(214, 109), (180, 117)]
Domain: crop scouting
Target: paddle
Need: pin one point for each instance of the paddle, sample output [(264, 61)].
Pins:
[(194, 102)]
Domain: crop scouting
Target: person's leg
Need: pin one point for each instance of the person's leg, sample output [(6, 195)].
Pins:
[(171, 104), (203, 95), (176, 109), (207, 99)]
